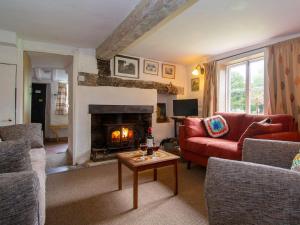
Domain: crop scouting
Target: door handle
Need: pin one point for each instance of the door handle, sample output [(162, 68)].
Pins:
[(9, 120)]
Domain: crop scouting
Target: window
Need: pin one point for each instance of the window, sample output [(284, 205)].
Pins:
[(245, 86)]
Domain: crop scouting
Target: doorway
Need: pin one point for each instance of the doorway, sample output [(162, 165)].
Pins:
[(8, 94), (46, 101), (38, 104)]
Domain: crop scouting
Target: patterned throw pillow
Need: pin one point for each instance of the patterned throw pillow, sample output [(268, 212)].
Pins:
[(216, 126), (296, 163)]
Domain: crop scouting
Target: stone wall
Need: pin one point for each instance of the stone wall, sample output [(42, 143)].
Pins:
[(100, 80)]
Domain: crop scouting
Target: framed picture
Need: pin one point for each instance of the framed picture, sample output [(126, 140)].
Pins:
[(168, 71), (195, 84), (125, 66), (151, 67), (161, 113)]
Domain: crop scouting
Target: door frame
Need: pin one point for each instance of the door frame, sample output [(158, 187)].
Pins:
[(72, 81), (16, 72)]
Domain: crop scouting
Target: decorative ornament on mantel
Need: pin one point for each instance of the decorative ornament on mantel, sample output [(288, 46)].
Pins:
[(98, 80)]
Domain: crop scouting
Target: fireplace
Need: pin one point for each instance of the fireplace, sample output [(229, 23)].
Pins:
[(116, 128), (120, 136)]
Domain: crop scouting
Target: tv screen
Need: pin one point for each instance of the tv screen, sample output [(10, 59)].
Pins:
[(185, 107)]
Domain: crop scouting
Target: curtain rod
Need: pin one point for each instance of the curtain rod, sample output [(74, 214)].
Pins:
[(227, 57)]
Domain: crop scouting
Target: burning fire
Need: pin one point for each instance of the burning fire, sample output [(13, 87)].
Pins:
[(125, 134), (115, 136)]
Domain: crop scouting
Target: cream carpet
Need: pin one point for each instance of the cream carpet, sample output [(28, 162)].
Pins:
[(89, 196)]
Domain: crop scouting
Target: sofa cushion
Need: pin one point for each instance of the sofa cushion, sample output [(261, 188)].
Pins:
[(216, 126), (258, 128), (224, 149), (234, 123), (197, 145), (282, 136), (14, 156), (194, 127), (208, 146), (32, 132)]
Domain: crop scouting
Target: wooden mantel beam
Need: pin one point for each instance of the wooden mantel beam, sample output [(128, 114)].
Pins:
[(146, 15)]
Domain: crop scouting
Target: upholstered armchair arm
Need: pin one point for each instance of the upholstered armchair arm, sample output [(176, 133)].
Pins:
[(247, 193), (19, 198), (269, 152)]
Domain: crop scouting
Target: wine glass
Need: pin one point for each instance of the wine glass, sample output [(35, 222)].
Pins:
[(143, 147), (155, 149)]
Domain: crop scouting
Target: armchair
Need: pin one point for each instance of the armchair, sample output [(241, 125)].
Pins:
[(259, 190)]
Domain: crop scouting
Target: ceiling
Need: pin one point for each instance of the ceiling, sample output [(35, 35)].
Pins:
[(49, 61), (207, 28), (79, 23), (212, 27)]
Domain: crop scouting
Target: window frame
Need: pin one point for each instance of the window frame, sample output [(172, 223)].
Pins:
[(247, 63)]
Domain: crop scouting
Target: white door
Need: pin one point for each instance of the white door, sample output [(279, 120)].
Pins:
[(7, 94)]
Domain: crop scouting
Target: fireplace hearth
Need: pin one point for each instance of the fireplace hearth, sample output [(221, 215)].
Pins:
[(116, 128)]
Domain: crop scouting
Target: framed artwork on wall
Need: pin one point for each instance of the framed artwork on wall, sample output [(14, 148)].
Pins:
[(168, 71), (161, 113), (195, 84), (125, 66), (151, 67)]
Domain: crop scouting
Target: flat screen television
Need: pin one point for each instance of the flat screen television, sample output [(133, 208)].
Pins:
[(185, 107)]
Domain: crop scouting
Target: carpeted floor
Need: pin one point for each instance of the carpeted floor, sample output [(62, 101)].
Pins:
[(89, 196)]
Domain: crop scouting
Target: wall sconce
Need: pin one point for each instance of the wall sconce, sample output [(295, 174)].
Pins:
[(199, 69)]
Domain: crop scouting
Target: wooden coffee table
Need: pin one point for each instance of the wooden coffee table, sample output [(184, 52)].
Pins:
[(135, 163)]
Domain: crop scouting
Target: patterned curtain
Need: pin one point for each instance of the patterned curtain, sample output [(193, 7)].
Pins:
[(210, 89), (62, 100), (284, 78)]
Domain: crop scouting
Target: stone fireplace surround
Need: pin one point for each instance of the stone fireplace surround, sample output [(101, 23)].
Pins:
[(105, 119)]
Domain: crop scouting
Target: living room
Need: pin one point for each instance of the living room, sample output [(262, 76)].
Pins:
[(165, 110)]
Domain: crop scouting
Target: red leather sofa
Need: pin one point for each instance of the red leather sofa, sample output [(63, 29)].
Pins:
[(196, 146)]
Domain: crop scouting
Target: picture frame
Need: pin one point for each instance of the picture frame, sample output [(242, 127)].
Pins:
[(151, 67), (168, 71), (161, 113), (195, 83), (126, 66)]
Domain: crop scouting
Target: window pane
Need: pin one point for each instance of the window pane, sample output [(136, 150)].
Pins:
[(237, 88), (256, 69)]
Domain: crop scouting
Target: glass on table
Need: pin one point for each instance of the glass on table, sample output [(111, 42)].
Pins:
[(143, 147), (155, 149)]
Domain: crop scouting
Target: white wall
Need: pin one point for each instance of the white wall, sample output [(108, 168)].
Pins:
[(108, 96), (195, 94)]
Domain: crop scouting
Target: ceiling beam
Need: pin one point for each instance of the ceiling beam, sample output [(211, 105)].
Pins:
[(146, 15)]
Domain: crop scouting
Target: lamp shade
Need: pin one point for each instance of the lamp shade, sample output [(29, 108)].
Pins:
[(195, 72)]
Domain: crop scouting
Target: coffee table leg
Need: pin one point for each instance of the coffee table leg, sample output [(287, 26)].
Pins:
[(135, 189), (120, 174), (155, 174), (176, 178)]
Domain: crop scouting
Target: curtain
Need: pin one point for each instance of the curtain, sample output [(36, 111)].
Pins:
[(284, 78), (62, 100), (210, 89)]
